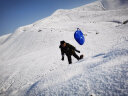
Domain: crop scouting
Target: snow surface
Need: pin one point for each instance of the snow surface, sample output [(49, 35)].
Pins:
[(30, 58)]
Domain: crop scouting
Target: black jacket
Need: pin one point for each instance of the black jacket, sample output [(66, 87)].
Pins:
[(68, 49)]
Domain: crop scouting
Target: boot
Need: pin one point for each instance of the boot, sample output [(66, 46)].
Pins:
[(81, 57)]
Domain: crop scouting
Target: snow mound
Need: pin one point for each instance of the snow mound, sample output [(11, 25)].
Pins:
[(95, 6)]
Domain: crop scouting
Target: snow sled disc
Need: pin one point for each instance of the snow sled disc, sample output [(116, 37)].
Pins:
[(79, 37)]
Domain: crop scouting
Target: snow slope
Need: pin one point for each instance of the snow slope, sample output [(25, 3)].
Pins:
[(30, 60)]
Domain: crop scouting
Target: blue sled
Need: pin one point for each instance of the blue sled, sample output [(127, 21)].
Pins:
[(79, 37)]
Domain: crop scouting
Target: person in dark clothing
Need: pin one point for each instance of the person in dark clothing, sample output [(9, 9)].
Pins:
[(69, 50)]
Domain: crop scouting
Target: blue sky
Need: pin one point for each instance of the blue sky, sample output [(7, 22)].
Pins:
[(16, 13)]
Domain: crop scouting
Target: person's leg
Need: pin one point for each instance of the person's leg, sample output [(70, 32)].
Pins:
[(76, 56), (69, 59)]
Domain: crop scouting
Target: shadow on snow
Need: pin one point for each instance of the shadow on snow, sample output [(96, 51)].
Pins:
[(109, 56)]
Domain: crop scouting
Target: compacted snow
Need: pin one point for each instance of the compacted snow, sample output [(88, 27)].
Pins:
[(30, 58)]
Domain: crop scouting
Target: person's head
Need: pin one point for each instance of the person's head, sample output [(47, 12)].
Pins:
[(63, 43)]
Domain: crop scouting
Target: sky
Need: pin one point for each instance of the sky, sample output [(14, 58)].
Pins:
[(17, 13)]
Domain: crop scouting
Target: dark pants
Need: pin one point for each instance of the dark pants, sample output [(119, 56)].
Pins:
[(70, 59)]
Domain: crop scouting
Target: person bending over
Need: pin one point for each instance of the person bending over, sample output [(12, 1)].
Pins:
[(69, 50)]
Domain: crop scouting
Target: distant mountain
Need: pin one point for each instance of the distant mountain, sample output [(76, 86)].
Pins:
[(115, 4)]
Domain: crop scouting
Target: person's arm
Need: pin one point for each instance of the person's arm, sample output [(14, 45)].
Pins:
[(77, 50), (62, 53), (72, 47)]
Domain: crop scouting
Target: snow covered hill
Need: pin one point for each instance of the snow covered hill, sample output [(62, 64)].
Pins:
[(30, 60)]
